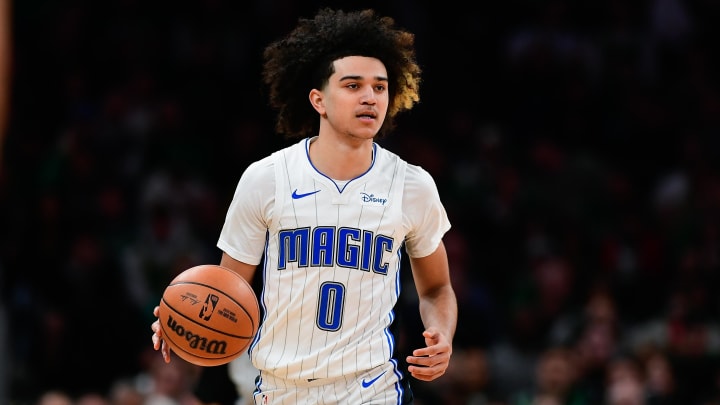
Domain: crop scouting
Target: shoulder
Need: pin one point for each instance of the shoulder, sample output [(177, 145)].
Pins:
[(261, 173), (265, 167), (417, 179), (419, 182), (416, 174), (262, 170)]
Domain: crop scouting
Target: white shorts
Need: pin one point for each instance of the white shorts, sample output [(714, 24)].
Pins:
[(381, 385)]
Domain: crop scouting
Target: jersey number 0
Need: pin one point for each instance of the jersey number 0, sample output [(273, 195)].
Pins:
[(331, 302)]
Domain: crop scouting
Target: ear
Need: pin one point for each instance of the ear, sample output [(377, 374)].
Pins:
[(316, 100)]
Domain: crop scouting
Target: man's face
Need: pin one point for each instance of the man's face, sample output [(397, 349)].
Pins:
[(355, 99)]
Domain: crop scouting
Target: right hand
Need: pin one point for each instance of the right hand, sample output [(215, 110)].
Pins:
[(158, 341)]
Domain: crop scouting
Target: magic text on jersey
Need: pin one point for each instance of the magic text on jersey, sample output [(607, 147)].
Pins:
[(328, 246)]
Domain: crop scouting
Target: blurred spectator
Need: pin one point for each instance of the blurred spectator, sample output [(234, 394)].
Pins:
[(660, 380), (599, 307), (124, 392), (92, 399), (595, 334), (171, 383), (511, 360), (54, 397), (624, 383), (467, 380), (556, 381)]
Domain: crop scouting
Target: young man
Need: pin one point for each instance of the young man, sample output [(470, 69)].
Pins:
[(330, 214)]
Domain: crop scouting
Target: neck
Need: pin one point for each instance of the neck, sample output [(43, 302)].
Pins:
[(341, 160)]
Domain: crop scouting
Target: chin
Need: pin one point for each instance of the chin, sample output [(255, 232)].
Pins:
[(366, 135)]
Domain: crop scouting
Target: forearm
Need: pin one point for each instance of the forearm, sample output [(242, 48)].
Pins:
[(438, 308)]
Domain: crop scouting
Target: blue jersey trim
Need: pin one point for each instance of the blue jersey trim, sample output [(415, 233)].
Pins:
[(339, 189)]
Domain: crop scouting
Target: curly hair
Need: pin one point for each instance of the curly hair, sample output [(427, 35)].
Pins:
[(303, 60)]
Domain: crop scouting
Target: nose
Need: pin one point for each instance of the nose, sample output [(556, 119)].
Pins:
[(368, 96)]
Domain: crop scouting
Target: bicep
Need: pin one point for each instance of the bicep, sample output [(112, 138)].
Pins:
[(245, 270)]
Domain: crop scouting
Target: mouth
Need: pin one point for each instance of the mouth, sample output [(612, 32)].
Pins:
[(367, 114)]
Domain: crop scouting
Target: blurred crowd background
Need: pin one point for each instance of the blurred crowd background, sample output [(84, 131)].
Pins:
[(575, 144)]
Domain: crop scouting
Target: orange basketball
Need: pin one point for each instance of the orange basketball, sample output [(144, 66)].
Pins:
[(209, 315)]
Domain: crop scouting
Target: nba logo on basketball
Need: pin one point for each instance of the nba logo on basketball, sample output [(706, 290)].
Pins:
[(209, 306)]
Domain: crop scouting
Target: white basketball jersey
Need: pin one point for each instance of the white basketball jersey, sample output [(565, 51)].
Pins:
[(332, 258)]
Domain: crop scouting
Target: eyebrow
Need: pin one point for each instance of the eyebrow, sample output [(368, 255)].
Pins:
[(356, 77)]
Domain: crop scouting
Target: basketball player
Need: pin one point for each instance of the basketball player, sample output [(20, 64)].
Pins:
[(330, 214)]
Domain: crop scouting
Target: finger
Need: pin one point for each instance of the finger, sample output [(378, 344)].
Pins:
[(431, 336), (427, 361), (425, 373), (165, 352), (156, 340), (429, 351), (156, 311), (156, 328), (418, 360), (424, 352)]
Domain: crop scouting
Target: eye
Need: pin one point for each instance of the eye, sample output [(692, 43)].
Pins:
[(352, 86), (380, 88)]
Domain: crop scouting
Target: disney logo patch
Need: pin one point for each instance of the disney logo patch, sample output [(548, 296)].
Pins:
[(371, 199)]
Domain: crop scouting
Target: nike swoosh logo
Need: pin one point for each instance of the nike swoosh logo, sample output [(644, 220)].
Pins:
[(366, 384), (295, 194)]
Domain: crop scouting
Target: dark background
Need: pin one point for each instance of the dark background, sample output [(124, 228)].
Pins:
[(574, 143)]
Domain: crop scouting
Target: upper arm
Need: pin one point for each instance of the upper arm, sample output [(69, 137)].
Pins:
[(245, 270), (431, 273)]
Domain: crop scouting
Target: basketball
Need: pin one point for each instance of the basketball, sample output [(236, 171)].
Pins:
[(209, 315)]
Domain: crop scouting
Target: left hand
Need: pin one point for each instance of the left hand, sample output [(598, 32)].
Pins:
[(157, 339), (432, 361)]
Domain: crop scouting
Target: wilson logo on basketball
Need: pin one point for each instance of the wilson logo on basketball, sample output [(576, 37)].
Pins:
[(195, 341), (209, 306)]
